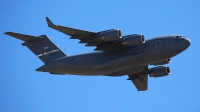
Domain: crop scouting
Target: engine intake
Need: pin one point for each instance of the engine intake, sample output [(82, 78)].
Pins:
[(110, 35), (162, 62), (133, 40), (159, 71)]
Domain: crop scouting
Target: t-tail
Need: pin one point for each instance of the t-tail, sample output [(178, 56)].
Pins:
[(41, 46)]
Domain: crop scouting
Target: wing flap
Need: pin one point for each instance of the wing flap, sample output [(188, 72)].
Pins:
[(104, 46), (94, 42)]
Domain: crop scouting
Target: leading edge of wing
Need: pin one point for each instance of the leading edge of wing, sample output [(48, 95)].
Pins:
[(70, 31)]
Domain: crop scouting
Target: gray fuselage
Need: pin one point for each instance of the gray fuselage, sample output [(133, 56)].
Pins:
[(124, 61)]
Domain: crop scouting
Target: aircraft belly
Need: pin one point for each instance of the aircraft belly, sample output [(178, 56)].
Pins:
[(84, 67), (132, 70), (80, 65)]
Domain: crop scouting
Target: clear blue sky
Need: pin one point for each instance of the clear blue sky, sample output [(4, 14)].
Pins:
[(22, 89)]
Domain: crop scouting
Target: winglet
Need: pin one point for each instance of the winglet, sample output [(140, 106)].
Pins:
[(50, 24)]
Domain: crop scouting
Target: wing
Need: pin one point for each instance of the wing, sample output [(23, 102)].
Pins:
[(87, 37), (140, 80), (74, 33)]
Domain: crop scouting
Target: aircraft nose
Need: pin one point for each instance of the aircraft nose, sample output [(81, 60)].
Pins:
[(187, 42)]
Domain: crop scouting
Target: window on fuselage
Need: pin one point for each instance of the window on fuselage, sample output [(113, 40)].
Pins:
[(179, 36)]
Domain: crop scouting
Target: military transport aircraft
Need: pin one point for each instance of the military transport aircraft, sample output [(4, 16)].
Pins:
[(115, 55)]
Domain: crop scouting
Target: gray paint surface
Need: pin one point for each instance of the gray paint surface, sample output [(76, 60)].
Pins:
[(111, 59)]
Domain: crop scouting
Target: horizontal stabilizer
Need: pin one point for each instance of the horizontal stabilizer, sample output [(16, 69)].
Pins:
[(23, 37), (41, 46)]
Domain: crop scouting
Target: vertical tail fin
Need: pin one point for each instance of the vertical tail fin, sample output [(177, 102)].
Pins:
[(41, 46)]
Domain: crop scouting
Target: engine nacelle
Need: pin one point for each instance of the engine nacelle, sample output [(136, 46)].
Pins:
[(162, 62), (133, 40), (110, 35), (159, 71)]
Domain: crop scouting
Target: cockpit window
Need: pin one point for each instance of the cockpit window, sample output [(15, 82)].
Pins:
[(179, 36)]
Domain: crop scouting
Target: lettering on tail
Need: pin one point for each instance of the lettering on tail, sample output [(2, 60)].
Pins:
[(48, 51)]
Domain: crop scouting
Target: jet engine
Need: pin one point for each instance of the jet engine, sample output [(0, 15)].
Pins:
[(159, 71), (133, 40), (162, 62), (110, 35)]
